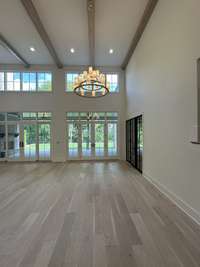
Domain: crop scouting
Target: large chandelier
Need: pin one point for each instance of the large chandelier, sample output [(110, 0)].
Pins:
[(91, 84)]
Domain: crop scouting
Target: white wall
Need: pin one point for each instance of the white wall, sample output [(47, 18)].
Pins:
[(59, 102), (161, 81)]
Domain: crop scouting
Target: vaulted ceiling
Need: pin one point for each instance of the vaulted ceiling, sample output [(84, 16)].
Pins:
[(66, 23)]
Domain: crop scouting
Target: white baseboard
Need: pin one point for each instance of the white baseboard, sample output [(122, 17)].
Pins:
[(187, 209)]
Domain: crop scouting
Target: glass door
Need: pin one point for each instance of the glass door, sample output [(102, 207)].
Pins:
[(29, 141), (112, 139), (73, 140), (86, 139), (2, 142), (92, 135), (14, 143), (134, 142), (44, 141), (99, 136)]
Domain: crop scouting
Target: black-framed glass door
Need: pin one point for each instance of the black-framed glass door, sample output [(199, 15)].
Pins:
[(134, 142)]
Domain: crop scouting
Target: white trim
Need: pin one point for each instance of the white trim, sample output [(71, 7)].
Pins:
[(185, 207)]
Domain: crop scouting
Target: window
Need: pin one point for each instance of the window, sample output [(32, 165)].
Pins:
[(45, 116), (29, 115), (70, 77), (13, 81), (2, 116), (44, 81), (14, 116), (25, 81), (112, 82), (29, 81), (1, 81)]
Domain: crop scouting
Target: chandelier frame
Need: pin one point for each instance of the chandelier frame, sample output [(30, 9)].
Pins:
[(91, 84)]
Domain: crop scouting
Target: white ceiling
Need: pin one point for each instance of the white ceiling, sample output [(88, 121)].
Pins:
[(66, 24)]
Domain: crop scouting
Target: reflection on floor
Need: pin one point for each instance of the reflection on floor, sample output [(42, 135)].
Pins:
[(99, 152), (101, 214)]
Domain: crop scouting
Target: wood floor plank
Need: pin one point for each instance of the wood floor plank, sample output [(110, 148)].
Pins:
[(90, 214)]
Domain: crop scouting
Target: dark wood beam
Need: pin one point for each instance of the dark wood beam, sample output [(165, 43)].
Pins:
[(13, 51), (140, 30), (91, 30), (32, 12)]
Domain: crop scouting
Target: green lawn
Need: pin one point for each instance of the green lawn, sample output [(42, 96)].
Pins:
[(32, 147)]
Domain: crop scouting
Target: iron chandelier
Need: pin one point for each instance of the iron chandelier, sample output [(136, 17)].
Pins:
[(91, 84)]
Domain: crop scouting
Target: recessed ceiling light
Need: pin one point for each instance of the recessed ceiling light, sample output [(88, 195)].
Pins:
[(32, 49), (111, 51), (72, 50)]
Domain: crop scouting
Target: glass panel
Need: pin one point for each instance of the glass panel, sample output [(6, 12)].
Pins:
[(72, 115), (112, 139), (13, 81), (14, 116), (44, 141), (99, 139), (13, 142), (73, 139), (30, 141), (98, 116), (112, 116), (70, 78), (44, 116), (29, 115), (84, 115), (1, 81), (2, 141), (112, 82), (44, 81), (139, 143), (86, 139), (29, 81), (2, 116)]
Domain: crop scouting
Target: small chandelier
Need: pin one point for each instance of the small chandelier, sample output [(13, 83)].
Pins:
[(91, 84)]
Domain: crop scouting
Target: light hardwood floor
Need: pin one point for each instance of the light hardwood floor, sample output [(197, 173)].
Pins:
[(101, 214)]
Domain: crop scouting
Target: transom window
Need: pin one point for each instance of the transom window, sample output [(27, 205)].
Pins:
[(13, 81), (111, 81), (26, 81), (69, 81), (29, 81), (1, 81), (44, 81)]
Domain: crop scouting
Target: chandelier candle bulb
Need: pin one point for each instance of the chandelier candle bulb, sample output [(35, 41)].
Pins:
[(82, 92)]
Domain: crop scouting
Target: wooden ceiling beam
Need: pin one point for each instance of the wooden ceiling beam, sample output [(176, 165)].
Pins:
[(91, 30), (140, 30), (32, 12), (4, 43)]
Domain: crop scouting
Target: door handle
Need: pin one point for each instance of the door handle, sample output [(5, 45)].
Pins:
[(21, 144)]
